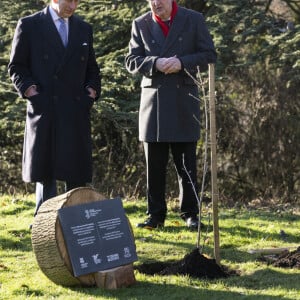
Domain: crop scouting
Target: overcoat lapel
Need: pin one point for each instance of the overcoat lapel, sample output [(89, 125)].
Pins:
[(53, 41), (155, 31), (175, 31), (51, 36)]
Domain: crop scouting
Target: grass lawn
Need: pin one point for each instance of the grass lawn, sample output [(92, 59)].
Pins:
[(240, 231)]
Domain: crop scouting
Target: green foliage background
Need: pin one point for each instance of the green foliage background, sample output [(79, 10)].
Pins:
[(257, 84)]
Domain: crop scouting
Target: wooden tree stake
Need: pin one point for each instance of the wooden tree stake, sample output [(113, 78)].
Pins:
[(213, 141)]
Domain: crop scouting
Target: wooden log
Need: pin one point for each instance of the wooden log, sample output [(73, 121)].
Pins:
[(48, 242), (116, 278)]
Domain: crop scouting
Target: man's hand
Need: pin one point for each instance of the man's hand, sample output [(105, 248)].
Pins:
[(31, 91), (168, 65), (92, 92)]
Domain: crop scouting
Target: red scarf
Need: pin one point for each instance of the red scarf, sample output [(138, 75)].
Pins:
[(165, 28)]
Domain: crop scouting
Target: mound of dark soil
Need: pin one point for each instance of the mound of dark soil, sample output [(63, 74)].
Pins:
[(288, 259), (193, 264)]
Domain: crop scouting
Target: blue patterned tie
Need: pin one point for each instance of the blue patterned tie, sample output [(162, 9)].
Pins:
[(63, 31)]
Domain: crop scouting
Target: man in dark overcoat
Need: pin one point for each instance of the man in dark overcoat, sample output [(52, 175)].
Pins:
[(58, 75), (164, 43)]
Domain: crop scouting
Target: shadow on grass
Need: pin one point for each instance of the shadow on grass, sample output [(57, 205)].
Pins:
[(18, 208), (266, 278), (163, 290), (132, 208), (246, 232), (262, 281), (263, 215), (28, 292), (237, 256), (21, 241), (228, 252)]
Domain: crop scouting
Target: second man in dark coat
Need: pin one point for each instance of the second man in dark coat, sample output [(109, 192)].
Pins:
[(164, 43)]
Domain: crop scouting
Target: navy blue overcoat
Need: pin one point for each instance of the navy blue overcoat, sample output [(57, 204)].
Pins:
[(57, 140)]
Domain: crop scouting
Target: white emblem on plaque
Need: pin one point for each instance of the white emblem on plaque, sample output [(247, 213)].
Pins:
[(96, 259), (127, 252)]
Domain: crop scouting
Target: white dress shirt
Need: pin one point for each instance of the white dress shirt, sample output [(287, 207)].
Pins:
[(56, 18)]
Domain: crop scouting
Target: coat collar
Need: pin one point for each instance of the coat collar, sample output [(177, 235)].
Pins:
[(50, 32), (53, 40), (175, 30)]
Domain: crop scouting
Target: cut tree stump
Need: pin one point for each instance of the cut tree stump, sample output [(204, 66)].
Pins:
[(116, 278), (50, 249)]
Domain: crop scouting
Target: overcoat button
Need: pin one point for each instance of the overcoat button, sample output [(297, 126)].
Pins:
[(82, 58)]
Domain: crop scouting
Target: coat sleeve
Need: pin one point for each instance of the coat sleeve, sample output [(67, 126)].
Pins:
[(136, 60), (205, 51), (19, 64), (93, 78)]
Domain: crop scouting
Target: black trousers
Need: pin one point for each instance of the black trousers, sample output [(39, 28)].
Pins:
[(184, 157)]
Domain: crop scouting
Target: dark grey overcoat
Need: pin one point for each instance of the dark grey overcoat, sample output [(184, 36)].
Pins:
[(167, 111), (57, 140)]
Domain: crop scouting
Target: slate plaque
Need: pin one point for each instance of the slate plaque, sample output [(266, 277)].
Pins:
[(97, 235)]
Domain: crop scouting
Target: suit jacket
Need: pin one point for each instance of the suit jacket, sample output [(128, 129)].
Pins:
[(167, 111), (57, 141)]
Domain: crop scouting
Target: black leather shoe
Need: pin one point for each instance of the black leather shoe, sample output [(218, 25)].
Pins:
[(192, 223), (150, 224)]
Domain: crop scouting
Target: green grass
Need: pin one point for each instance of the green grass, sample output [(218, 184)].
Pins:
[(240, 231)]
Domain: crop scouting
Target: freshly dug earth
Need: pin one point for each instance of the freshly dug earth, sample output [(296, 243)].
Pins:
[(193, 264), (288, 260)]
